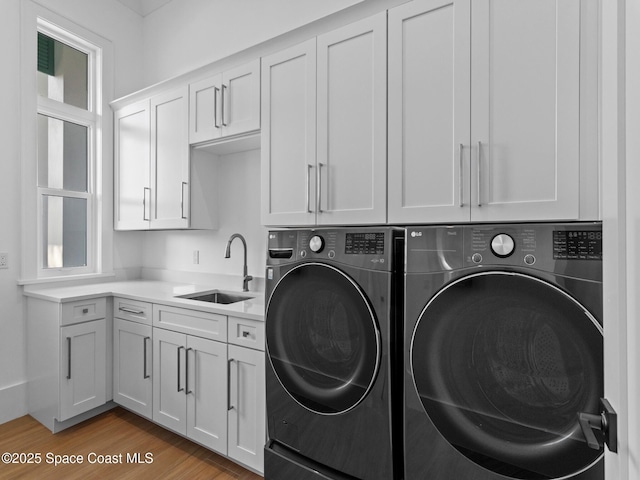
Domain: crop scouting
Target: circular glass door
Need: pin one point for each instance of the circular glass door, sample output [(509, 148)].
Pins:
[(503, 364), (322, 338)]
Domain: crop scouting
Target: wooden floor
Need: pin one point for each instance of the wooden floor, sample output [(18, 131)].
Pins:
[(113, 434)]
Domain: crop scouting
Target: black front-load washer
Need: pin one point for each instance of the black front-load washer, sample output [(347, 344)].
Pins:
[(333, 326), (503, 351)]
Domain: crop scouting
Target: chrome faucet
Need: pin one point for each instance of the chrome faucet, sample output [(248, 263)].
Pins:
[(227, 254)]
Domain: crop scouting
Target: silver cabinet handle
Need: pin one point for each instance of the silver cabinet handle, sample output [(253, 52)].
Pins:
[(229, 406), (216, 91), (319, 182), (144, 203), (460, 177), (180, 389), (186, 369), (182, 201), (130, 310), (479, 175), (308, 191), (224, 88), (68, 358), (145, 374)]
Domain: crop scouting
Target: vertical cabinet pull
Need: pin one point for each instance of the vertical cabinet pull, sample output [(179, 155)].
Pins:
[(216, 92), (319, 182), (68, 358), (308, 191), (186, 369), (145, 373), (180, 389), (144, 203), (460, 176), (184, 184), (479, 170), (224, 122), (229, 406)]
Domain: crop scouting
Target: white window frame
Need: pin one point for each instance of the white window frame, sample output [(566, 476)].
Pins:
[(97, 118)]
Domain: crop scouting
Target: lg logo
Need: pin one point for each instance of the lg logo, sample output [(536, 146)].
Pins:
[(416, 234)]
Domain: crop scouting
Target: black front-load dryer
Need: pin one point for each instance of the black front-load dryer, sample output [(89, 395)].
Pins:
[(333, 323), (503, 351)]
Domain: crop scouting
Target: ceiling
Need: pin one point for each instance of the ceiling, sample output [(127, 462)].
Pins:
[(144, 7)]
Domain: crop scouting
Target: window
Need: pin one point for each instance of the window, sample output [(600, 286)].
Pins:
[(67, 148), (67, 132)]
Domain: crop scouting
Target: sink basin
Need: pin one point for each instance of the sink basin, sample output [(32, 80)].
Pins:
[(217, 297)]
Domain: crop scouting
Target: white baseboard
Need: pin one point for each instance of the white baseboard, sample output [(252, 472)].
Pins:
[(13, 402)]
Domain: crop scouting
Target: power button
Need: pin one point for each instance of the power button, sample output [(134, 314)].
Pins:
[(476, 258)]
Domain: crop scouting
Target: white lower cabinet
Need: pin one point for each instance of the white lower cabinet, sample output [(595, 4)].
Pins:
[(189, 386), (132, 347), (82, 367), (207, 390), (67, 361), (246, 406)]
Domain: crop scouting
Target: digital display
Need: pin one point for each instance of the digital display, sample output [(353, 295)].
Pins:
[(577, 245), (370, 243)]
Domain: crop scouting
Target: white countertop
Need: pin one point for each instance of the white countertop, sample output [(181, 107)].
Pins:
[(161, 292)]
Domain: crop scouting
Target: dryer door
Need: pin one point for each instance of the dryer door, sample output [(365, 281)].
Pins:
[(322, 338), (503, 364)]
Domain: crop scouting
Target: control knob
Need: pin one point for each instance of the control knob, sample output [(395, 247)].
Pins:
[(502, 245), (316, 244)]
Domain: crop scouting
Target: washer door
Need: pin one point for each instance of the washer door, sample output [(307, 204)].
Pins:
[(322, 338), (503, 363)]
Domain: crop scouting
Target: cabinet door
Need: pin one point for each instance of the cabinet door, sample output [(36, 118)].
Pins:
[(352, 123), (204, 110), (169, 399), (205, 384), (429, 108), (83, 373), (288, 136), (247, 428), (240, 94), (525, 109), (170, 160), (132, 356), (132, 160)]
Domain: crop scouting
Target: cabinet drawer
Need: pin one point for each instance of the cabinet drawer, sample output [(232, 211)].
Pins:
[(246, 332), (83, 310), (192, 322), (133, 310)]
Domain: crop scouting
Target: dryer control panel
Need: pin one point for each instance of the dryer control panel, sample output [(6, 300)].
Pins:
[(568, 248)]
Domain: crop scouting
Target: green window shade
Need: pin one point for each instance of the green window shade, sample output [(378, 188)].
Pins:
[(45, 55)]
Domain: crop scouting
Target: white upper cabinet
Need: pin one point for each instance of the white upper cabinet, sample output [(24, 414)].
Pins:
[(484, 111), (226, 104), (132, 166), (525, 110), (324, 129), (429, 108), (288, 143), (169, 205), (154, 165), (352, 123)]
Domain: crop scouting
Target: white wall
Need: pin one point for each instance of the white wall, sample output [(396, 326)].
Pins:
[(238, 186), (12, 354), (108, 19), (187, 34)]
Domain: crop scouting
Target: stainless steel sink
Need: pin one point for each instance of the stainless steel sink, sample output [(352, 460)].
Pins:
[(216, 296)]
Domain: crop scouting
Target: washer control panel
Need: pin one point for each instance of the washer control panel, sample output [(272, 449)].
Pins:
[(569, 248)]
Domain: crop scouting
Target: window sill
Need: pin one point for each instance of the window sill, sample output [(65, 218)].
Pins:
[(66, 278)]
